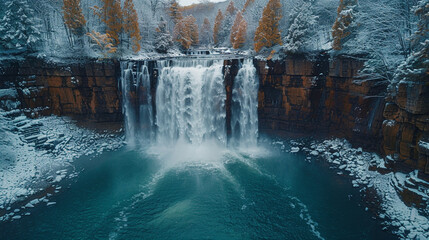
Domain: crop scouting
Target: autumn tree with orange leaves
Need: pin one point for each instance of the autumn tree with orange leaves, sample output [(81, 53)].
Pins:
[(217, 26), (103, 42), (268, 34), (111, 15), (186, 32), (342, 26), (131, 25), (175, 12), (74, 18), (238, 31)]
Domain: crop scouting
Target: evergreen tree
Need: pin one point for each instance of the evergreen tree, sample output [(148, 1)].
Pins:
[(18, 28), (175, 12), (163, 40), (268, 34), (225, 29), (300, 30), (342, 27), (73, 17), (217, 26), (416, 66), (131, 25), (206, 36)]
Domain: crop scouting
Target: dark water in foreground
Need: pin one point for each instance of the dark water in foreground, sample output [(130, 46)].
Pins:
[(192, 193)]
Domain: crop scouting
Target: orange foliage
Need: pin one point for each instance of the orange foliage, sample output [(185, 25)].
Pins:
[(230, 9), (111, 15), (247, 4), (175, 11), (186, 32), (73, 17), (131, 24), (340, 28), (217, 26), (268, 34), (238, 31), (104, 42), (240, 38)]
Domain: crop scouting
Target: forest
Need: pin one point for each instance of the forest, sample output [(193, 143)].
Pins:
[(390, 35)]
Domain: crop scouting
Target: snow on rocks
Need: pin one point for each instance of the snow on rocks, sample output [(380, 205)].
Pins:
[(407, 222), (36, 153)]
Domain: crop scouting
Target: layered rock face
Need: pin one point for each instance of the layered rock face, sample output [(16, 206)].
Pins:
[(406, 129), (85, 90), (320, 96)]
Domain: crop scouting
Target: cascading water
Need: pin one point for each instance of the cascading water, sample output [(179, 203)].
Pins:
[(137, 102), (244, 120), (190, 102)]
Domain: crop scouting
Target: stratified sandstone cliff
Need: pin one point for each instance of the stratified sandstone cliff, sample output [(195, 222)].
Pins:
[(320, 96), (86, 90), (406, 129)]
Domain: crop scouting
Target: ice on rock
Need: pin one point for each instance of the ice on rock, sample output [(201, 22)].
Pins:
[(34, 201), (29, 205), (294, 149), (314, 153)]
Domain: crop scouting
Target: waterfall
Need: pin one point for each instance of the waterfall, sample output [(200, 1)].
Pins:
[(137, 102), (189, 102), (244, 118)]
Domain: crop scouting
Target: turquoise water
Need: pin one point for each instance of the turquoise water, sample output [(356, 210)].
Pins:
[(208, 193)]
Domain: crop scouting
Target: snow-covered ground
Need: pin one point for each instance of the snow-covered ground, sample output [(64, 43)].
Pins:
[(406, 222), (37, 153)]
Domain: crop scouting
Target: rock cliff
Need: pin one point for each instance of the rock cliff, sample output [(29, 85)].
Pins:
[(406, 128), (84, 90), (321, 96)]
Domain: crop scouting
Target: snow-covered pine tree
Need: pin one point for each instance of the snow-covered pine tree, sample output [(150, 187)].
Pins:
[(344, 23), (268, 34), (225, 28), (416, 67), (19, 27), (162, 40), (300, 30), (131, 25), (217, 27), (74, 18), (205, 33)]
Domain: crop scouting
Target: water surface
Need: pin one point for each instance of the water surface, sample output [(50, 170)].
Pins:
[(189, 192)]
